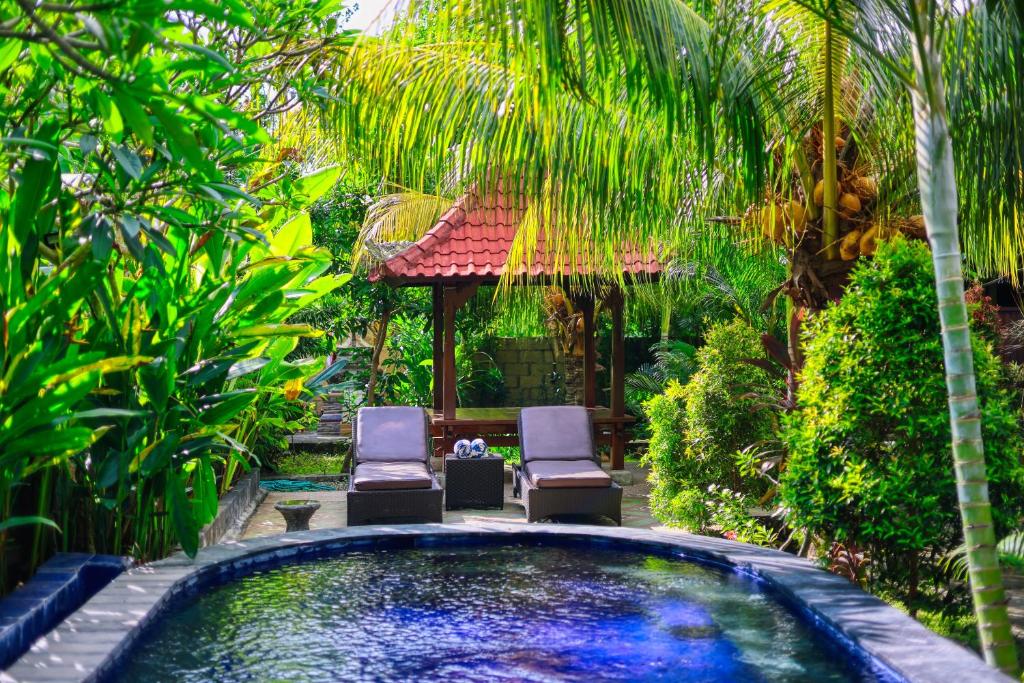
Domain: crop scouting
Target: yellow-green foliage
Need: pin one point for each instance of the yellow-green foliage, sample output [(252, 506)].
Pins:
[(697, 429)]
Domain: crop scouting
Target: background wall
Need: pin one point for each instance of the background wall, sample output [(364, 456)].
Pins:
[(534, 374)]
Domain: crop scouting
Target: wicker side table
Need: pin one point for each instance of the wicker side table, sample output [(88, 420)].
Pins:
[(474, 482)]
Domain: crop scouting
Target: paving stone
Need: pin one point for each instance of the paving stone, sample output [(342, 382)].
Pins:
[(266, 521)]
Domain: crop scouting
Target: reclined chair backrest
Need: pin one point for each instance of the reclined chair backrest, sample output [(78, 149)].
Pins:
[(556, 433), (390, 434)]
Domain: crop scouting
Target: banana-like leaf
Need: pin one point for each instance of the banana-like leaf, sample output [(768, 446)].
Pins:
[(182, 517), (292, 236), (280, 330), (27, 521), (316, 184)]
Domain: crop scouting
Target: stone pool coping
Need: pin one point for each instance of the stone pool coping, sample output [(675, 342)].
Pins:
[(86, 645), (60, 585)]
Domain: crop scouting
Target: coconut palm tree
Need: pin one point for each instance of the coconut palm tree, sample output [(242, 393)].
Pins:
[(980, 45), (635, 120)]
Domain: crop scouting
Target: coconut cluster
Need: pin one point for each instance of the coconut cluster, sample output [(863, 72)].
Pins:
[(787, 221)]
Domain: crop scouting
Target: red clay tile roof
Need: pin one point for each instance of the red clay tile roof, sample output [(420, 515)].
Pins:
[(471, 241)]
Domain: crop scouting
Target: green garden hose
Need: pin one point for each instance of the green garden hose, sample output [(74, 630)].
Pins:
[(293, 485)]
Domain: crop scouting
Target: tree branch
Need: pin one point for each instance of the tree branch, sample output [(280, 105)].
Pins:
[(66, 47)]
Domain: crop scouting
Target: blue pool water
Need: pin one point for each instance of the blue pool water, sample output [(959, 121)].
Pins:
[(516, 612)]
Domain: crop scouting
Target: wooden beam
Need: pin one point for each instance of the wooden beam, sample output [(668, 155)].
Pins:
[(618, 398), (589, 354), (448, 396), (438, 352), (464, 292), (454, 297)]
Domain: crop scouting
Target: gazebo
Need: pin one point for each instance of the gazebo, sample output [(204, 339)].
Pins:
[(468, 247)]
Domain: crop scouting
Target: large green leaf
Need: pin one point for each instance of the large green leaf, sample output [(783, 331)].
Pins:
[(292, 236), (224, 407), (204, 488), (134, 114), (279, 330), (183, 519), (315, 185)]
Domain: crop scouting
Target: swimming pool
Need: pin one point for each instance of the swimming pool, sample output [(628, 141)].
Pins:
[(490, 602), (483, 613)]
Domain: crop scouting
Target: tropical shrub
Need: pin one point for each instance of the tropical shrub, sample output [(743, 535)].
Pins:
[(672, 360), (869, 448), (985, 321), (698, 430), (729, 511), (154, 245)]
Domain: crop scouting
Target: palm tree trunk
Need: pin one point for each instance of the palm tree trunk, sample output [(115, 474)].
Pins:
[(829, 171), (666, 318), (937, 184)]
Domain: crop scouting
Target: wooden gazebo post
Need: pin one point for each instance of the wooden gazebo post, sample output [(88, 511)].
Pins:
[(453, 296), (618, 397), (438, 351), (449, 394), (586, 303)]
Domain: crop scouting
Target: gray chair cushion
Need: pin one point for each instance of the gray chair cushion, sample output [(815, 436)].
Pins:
[(567, 474), (556, 433), (391, 476), (391, 434)]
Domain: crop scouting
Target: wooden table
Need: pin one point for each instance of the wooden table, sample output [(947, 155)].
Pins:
[(500, 427)]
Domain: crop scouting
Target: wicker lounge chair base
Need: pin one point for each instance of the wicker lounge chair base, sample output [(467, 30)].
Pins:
[(544, 503), (375, 507)]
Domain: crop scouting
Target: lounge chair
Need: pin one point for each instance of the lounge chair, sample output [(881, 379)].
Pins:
[(391, 479), (559, 473)]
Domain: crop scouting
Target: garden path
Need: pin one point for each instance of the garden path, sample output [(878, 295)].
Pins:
[(333, 512)]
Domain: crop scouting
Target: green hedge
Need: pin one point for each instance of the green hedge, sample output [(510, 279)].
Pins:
[(698, 429), (870, 461)]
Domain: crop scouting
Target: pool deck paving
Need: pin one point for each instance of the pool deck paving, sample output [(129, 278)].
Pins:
[(266, 521)]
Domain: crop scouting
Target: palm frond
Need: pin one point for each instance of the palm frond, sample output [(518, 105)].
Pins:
[(985, 95), (586, 133), (399, 217)]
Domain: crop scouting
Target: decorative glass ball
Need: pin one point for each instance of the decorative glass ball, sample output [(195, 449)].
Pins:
[(462, 448), (478, 448)]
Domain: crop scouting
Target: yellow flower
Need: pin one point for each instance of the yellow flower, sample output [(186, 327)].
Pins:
[(292, 389)]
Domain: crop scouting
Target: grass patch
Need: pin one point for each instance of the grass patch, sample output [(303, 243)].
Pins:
[(509, 453), (309, 463)]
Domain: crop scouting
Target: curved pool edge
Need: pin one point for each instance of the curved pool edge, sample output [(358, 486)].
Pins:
[(91, 639)]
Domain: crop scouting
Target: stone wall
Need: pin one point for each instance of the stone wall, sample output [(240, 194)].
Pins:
[(528, 363), (534, 374), (234, 508)]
